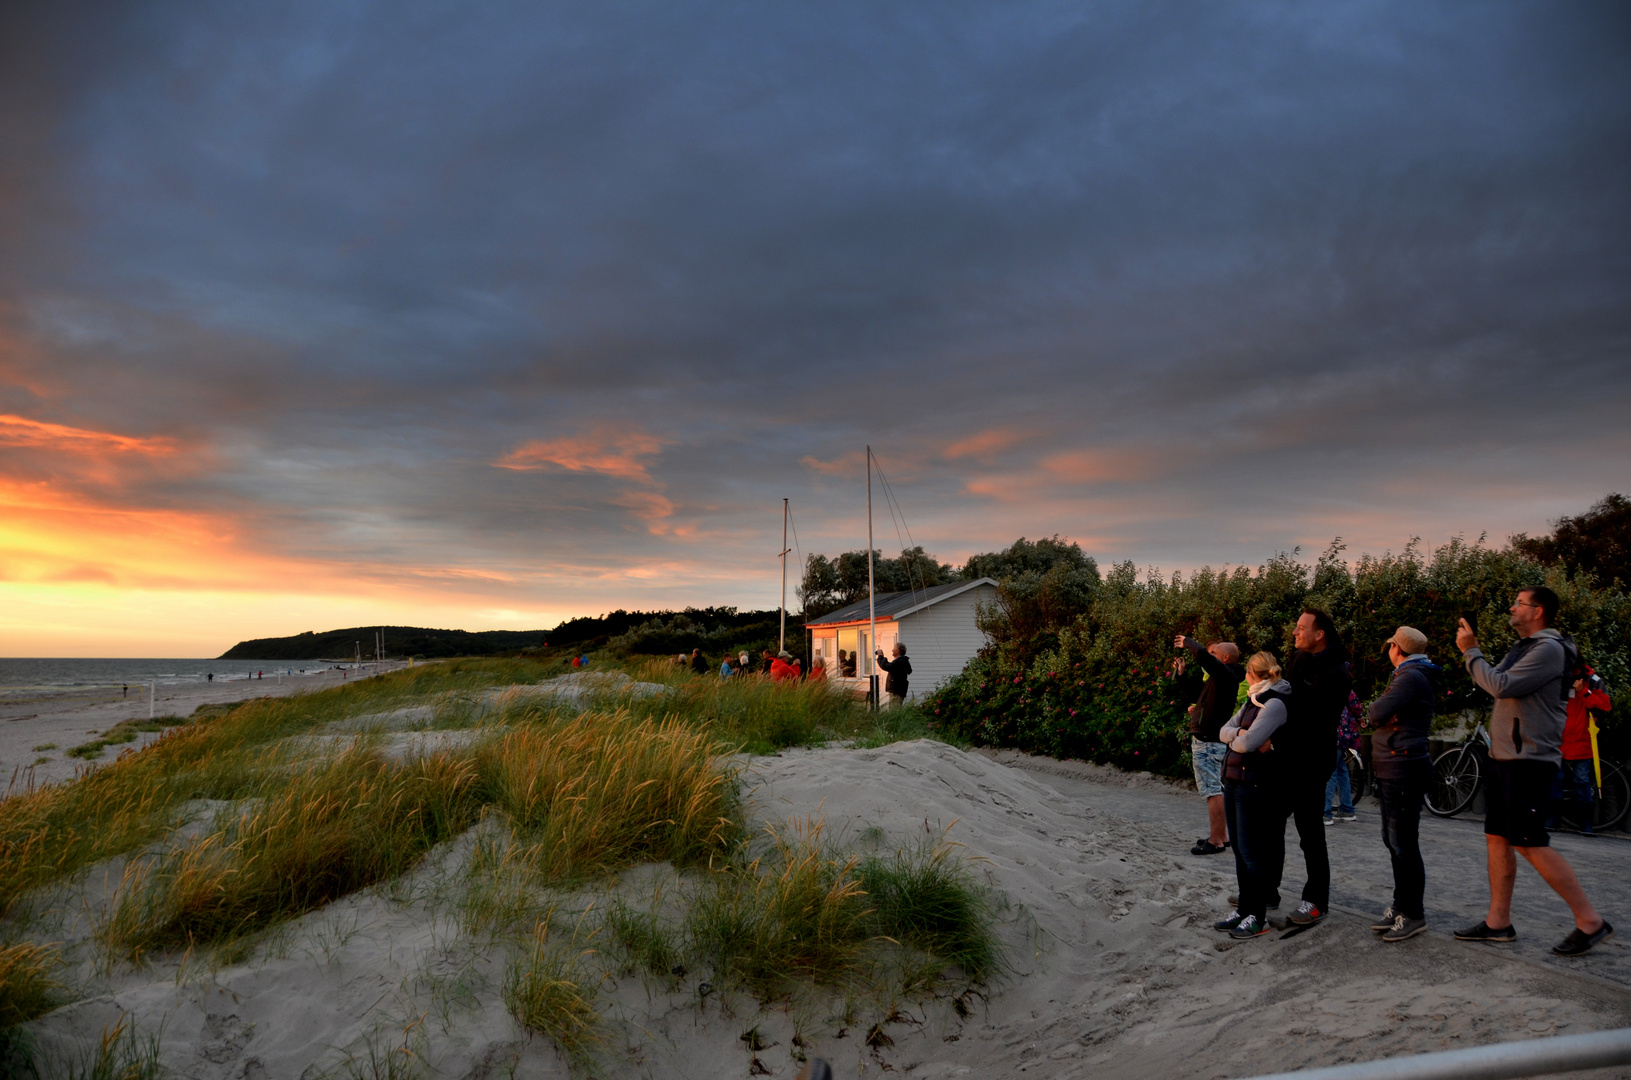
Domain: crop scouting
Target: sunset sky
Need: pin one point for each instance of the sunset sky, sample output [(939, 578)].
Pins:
[(320, 314)]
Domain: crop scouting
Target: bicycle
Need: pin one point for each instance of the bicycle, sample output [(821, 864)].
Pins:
[(1459, 772)]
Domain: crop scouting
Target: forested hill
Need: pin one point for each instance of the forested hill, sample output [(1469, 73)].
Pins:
[(399, 641), (712, 629)]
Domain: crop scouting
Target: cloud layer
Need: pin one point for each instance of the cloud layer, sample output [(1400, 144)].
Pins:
[(524, 311)]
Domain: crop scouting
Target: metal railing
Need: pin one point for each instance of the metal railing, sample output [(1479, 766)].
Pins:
[(1530, 1057)]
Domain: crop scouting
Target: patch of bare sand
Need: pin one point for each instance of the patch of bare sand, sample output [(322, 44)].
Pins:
[(1116, 971)]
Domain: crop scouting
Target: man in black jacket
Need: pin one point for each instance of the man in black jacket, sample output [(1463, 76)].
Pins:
[(1213, 706), (1320, 683), (1402, 717), (899, 668)]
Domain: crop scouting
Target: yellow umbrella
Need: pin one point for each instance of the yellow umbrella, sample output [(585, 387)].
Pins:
[(1596, 761)]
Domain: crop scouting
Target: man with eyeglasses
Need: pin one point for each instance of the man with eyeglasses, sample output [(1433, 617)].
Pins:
[(1526, 737)]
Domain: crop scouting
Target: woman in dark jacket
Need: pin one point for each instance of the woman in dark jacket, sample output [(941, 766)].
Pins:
[(1402, 717), (1251, 795)]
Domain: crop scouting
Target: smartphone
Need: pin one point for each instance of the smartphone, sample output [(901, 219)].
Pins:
[(1472, 619)]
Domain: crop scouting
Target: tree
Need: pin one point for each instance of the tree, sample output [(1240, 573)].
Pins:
[(1597, 542)]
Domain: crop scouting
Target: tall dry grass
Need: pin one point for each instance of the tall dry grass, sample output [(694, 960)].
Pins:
[(341, 825), (552, 987), (598, 791), (27, 988)]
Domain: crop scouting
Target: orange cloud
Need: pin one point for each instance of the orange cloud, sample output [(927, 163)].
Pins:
[(608, 450), (846, 465), (1100, 466), (21, 431), (984, 444)]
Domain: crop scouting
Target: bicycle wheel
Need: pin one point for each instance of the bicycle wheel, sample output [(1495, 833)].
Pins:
[(1613, 798), (1358, 777), (1455, 781)]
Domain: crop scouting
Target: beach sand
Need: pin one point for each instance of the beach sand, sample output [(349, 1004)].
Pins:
[(70, 718), (1115, 970)]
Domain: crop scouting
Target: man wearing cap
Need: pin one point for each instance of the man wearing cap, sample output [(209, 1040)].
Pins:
[(1402, 718), (1220, 661), (1525, 736)]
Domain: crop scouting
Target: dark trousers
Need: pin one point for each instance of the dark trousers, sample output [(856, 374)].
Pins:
[(1258, 833), (1303, 799), (1401, 831)]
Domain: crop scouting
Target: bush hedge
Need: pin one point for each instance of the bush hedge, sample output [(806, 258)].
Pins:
[(1103, 687)]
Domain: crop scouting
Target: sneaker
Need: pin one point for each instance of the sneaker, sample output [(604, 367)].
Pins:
[(1504, 936), (1579, 942), (1272, 905), (1349, 816), (1587, 830), (1307, 914), (1204, 846), (1228, 924), (1330, 821), (1385, 922), (1251, 927), (1404, 927)]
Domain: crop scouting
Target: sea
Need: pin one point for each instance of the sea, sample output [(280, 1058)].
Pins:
[(28, 677)]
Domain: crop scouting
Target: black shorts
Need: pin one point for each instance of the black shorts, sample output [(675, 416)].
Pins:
[(1518, 800)]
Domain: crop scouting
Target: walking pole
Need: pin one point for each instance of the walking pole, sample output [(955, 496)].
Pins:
[(1596, 759), (871, 598), (150, 683)]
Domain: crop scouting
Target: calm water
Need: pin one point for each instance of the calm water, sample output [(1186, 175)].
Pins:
[(23, 676)]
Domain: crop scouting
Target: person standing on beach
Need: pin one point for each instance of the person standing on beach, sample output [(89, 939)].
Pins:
[(1578, 757), (1318, 673), (1213, 705), (899, 669), (699, 663), (1402, 718), (1252, 778), (1525, 751)]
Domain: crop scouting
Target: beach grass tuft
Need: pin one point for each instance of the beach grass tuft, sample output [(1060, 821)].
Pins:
[(552, 987), (27, 988), (929, 902)]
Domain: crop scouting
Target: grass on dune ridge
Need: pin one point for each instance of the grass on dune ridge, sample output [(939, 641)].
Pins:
[(575, 795)]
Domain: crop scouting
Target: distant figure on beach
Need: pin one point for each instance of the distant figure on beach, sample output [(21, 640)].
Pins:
[(1213, 705), (1253, 782), (127, 690), (725, 669), (780, 669), (680, 660), (846, 664), (899, 668), (210, 677), (818, 668), (1525, 750), (699, 663), (798, 668), (1402, 718), (744, 663)]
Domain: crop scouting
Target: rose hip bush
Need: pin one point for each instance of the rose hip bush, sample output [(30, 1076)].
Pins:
[(1103, 687)]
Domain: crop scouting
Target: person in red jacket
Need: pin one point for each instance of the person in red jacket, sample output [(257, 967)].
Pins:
[(781, 670), (1577, 771)]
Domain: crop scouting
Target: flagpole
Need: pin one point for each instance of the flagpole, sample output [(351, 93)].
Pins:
[(871, 597), (782, 646)]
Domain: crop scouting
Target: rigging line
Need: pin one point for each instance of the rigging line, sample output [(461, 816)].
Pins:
[(800, 553), (889, 496)]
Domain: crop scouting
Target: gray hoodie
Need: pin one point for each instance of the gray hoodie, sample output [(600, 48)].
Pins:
[(1527, 685)]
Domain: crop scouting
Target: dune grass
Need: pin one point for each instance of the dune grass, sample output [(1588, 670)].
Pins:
[(552, 986), (27, 988)]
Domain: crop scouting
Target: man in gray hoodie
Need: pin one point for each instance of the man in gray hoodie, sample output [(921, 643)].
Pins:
[(1526, 737)]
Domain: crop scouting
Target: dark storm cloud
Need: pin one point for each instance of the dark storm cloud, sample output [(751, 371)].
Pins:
[(1220, 279)]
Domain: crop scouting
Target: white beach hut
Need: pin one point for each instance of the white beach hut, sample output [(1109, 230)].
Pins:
[(937, 625)]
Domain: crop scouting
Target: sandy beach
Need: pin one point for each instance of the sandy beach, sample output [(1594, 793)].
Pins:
[(62, 720), (1114, 970)]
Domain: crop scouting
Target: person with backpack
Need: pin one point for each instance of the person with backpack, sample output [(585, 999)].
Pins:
[(1530, 688), (1340, 785), (1579, 753), (1402, 718), (1252, 779)]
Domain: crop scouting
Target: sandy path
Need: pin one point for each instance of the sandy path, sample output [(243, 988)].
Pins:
[(1116, 971)]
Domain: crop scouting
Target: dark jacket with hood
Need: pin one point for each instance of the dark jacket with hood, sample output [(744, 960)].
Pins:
[(1217, 696), (1319, 692), (1402, 717), (1253, 735)]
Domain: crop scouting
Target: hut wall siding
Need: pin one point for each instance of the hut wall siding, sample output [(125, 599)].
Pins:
[(942, 638)]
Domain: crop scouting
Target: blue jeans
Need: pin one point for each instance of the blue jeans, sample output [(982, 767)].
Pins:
[(1339, 784), (1259, 836), (1401, 831)]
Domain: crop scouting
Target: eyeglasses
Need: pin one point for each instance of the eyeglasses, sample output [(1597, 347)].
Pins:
[(1524, 603)]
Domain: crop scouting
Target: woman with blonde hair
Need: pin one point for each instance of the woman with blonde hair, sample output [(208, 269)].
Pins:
[(1250, 782)]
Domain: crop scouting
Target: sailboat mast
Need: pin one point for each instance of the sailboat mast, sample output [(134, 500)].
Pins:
[(871, 591), (782, 646)]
